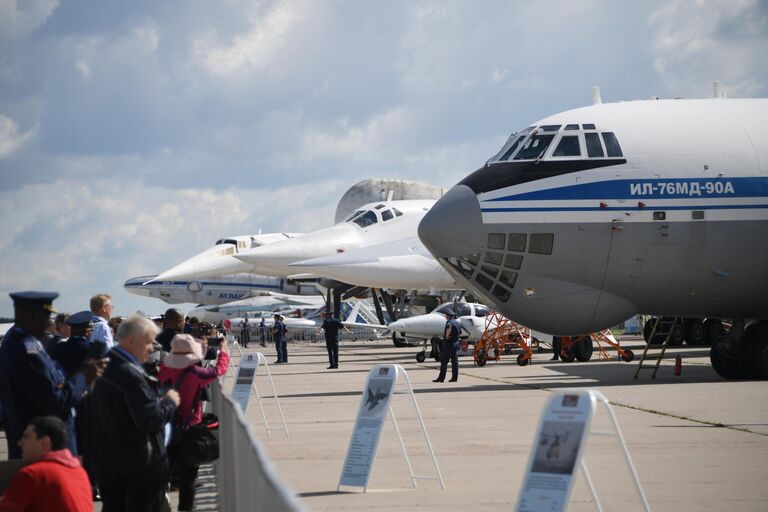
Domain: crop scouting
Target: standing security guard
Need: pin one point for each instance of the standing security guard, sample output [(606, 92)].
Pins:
[(331, 327), (450, 349), (31, 384), (278, 336)]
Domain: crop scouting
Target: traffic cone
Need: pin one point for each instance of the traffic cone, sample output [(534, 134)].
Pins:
[(678, 365)]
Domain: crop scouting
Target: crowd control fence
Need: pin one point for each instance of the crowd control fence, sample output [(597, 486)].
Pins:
[(245, 477)]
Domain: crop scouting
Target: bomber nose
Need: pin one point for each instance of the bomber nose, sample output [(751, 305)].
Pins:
[(454, 225)]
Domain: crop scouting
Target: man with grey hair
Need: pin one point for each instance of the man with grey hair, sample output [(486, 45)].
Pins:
[(132, 417), (101, 307)]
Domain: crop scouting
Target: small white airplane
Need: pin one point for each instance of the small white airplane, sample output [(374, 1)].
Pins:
[(214, 290), (374, 223), (592, 215), (472, 318), (220, 260), (256, 305), (399, 265)]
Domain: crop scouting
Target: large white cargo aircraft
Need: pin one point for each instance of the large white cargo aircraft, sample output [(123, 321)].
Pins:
[(595, 214), (214, 290)]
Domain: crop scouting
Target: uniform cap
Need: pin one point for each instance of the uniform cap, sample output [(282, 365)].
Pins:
[(34, 300), (81, 318)]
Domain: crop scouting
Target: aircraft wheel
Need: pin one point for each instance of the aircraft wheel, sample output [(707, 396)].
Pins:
[(522, 360), (568, 355), (584, 349), (746, 352), (648, 329), (677, 337), (713, 331), (421, 356), (761, 357), (628, 356), (695, 334), (482, 358), (724, 361)]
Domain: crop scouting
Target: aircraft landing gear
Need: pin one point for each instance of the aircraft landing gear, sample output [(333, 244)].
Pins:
[(742, 353)]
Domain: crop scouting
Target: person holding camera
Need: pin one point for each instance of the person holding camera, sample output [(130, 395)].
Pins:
[(180, 369)]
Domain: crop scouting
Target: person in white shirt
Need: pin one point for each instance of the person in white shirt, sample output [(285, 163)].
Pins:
[(101, 307)]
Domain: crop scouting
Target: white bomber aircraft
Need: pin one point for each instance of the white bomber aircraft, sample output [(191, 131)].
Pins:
[(594, 214), (220, 260), (403, 264), (214, 290), (371, 224)]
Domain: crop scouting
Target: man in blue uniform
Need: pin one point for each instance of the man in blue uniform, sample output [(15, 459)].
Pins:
[(71, 354), (278, 335), (331, 326), (450, 349), (31, 384)]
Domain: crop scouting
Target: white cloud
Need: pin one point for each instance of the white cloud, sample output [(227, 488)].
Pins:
[(18, 18), (255, 49), (10, 138), (695, 43)]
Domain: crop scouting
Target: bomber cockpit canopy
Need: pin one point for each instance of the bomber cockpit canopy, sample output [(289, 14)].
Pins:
[(559, 141), (379, 213)]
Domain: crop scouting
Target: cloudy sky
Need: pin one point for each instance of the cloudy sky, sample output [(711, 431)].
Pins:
[(134, 134)]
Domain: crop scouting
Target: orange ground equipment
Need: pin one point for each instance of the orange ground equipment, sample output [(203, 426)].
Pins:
[(502, 335)]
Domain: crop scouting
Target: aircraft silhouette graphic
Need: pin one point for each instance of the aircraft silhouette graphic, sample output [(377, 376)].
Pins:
[(373, 400)]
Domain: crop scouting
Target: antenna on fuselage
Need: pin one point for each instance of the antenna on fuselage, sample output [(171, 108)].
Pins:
[(596, 99), (717, 90), (390, 194)]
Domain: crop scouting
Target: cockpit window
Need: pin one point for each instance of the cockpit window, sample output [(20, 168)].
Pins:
[(588, 126), (366, 219), (353, 215), (462, 309), (386, 215), (226, 241), (571, 127), (549, 127), (612, 145), (482, 311), (594, 148), (379, 206), (512, 148), (568, 146), (443, 307), (534, 147), (398, 213)]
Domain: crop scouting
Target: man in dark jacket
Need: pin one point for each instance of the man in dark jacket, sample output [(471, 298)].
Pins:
[(173, 324), (133, 419)]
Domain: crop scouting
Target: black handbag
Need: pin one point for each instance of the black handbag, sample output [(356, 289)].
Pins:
[(198, 444)]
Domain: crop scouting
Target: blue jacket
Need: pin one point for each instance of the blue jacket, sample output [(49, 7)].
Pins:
[(71, 354), (131, 419), (32, 384)]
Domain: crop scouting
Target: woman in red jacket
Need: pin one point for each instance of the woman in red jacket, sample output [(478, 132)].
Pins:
[(186, 354)]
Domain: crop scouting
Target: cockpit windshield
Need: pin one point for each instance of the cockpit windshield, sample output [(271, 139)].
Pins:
[(569, 141), (226, 241), (366, 219), (535, 146), (353, 215)]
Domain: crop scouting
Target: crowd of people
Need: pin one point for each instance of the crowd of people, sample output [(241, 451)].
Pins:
[(95, 405)]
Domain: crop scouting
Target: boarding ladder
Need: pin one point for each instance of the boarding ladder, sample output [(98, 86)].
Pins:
[(664, 326)]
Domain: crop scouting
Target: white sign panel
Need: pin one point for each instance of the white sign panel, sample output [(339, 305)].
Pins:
[(246, 372), (371, 416), (556, 452)]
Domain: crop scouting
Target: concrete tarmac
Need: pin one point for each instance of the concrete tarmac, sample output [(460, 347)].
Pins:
[(698, 442)]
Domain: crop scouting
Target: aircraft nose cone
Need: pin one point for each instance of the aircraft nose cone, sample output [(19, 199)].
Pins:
[(454, 225)]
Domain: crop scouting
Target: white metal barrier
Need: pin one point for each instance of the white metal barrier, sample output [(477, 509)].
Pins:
[(245, 477)]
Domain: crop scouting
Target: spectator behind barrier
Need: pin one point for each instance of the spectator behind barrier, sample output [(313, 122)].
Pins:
[(132, 418), (53, 478)]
